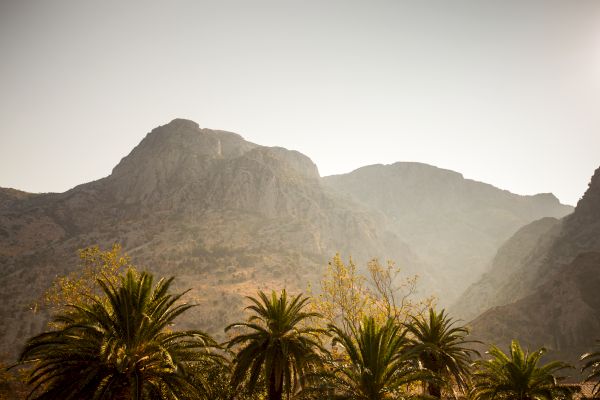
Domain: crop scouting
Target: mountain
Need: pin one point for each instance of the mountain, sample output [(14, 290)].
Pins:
[(454, 224), (224, 215), (562, 314), (228, 217), (549, 295), (518, 251)]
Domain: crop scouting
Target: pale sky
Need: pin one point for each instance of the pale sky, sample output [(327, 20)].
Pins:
[(505, 92)]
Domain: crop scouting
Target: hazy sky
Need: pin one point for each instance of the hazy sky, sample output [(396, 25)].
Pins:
[(505, 92)]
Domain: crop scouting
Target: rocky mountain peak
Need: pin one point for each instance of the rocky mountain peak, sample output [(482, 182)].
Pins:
[(171, 156), (588, 206), (182, 139), (546, 197), (183, 123), (181, 162)]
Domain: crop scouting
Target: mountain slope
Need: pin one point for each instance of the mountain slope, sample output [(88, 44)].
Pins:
[(454, 224), (576, 233), (563, 314), (228, 217), (554, 287), (224, 215), (514, 253)]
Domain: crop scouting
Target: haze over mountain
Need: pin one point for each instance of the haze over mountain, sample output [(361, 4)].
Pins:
[(228, 217), (526, 246), (548, 295), (454, 224)]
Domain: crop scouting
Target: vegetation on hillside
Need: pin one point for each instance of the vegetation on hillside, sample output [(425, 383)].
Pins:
[(592, 367), (518, 375), (121, 348), (277, 344), (442, 348), (362, 337), (376, 363)]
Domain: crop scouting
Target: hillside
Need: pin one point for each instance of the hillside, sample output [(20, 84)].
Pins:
[(532, 262), (228, 217), (454, 224), (553, 287), (520, 250), (563, 314)]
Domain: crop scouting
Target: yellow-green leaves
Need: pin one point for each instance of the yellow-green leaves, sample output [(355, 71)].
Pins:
[(81, 285), (348, 295)]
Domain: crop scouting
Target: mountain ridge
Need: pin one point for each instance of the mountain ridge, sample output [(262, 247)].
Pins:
[(226, 219), (554, 286), (225, 215), (576, 233), (429, 206)]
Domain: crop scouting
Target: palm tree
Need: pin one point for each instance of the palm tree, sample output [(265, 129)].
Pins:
[(276, 344), (592, 362), (119, 348), (443, 350), (517, 376), (376, 366)]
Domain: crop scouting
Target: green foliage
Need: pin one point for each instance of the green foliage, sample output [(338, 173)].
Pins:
[(216, 377), (518, 376), (275, 344), (81, 286), (111, 338), (442, 349), (344, 299), (394, 294), (120, 348), (13, 382), (376, 364), (592, 365), (347, 296)]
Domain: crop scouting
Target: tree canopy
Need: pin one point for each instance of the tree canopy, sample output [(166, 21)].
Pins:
[(362, 337), (121, 348), (518, 375), (276, 343)]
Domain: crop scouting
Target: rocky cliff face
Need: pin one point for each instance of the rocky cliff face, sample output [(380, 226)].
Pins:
[(228, 217), (562, 314), (454, 224), (517, 251), (224, 215), (535, 261), (549, 295)]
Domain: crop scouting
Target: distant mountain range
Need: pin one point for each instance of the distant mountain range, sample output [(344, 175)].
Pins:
[(454, 225), (228, 217), (543, 284)]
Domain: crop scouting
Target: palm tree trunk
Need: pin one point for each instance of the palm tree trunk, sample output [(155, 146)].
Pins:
[(275, 393), (434, 391)]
